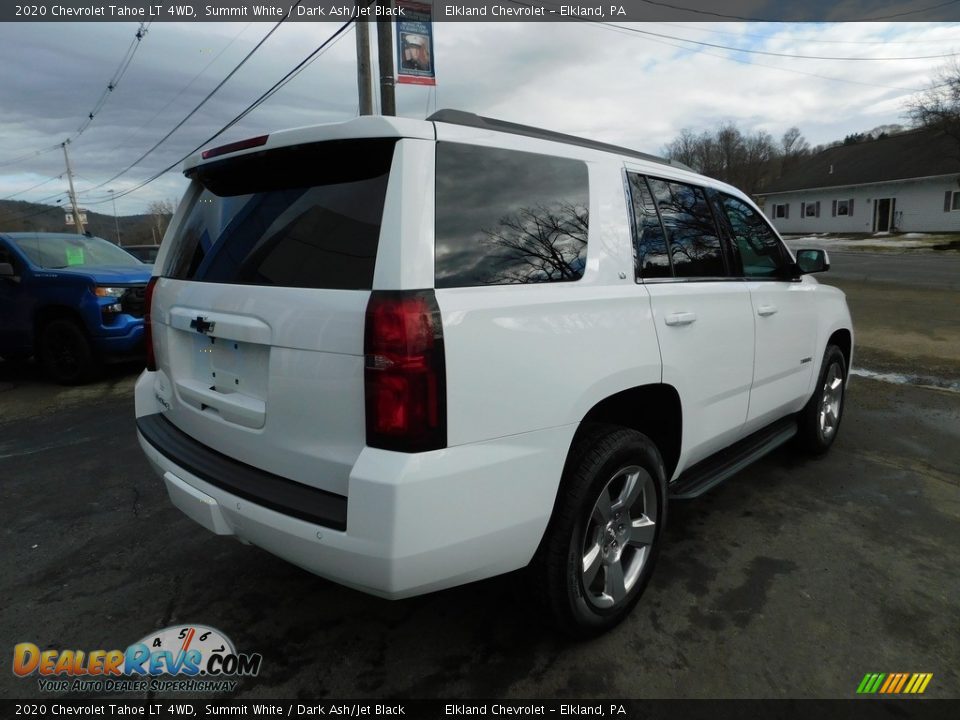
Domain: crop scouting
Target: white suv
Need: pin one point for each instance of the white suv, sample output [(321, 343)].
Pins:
[(406, 355)]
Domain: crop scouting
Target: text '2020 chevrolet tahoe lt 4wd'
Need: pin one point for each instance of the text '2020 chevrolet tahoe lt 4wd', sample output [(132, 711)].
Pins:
[(407, 355)]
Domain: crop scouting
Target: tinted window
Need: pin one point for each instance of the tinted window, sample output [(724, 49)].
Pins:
[(305, 216), (506, 217), (759, 248), (649, 243), (694, 243)]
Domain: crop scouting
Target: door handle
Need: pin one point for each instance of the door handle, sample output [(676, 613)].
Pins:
[(765, 310), (680, 318)]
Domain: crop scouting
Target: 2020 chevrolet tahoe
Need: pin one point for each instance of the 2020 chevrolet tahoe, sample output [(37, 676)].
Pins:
[(406, 355)]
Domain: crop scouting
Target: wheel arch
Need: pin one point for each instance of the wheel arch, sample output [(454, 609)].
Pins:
[(843, 339), (654, 410), (47, 313)]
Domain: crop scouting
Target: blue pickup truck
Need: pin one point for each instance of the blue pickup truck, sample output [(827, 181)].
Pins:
[(72, 301)]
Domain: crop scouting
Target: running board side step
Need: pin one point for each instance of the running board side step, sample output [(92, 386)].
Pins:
[(717, 468)]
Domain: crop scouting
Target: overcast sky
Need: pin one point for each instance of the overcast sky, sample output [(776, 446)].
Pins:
[(585, 79)]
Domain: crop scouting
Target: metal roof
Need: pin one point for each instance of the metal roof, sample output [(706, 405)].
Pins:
[(914, 154)]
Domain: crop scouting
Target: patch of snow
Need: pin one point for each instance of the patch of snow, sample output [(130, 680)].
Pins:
[(900, 379)]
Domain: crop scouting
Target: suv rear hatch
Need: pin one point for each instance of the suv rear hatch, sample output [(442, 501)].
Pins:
[(258, 315)]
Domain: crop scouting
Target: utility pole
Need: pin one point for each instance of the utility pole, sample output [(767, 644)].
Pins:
[(73, 194), (388, 103), (116, 220), (364, 79)]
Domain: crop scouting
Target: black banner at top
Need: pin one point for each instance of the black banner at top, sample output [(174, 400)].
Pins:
[(485, 10), (459, 709)]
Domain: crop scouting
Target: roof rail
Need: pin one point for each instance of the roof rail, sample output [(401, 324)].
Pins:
[(468, 119)]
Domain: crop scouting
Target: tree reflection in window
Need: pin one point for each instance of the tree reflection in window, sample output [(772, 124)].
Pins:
[(649, 243), (760, 250), (507, 217), (692, 234), (541, 244)]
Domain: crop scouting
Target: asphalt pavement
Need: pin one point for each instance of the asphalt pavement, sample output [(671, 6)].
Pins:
[(793, 579), (934, 270)]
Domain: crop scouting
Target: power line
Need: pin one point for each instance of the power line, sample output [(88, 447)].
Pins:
[(911, 12), (32, 187), (705, 12), (27, 156), (266, 95), (752, 63), (200, 104), (794, 56), (112, 84), (696, 11), (27, 216), (808, 40), (183, 89), (114, 79)]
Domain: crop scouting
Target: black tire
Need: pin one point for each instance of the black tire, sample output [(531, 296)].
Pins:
[(558, 577), (819, 425), (65, 352)]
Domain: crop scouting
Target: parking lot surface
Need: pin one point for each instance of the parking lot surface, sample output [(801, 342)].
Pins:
[(793, 579)]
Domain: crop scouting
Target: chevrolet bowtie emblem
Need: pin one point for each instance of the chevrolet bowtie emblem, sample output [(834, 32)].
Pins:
[(201, 325)]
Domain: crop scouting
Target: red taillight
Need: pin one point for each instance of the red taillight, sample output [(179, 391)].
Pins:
[(148, 325), (235, 146), (405, 376)]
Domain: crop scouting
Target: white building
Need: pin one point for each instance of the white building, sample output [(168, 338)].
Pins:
[(909, 182)]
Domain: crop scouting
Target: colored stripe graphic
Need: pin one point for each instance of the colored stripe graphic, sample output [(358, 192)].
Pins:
[(903, 679), (894, 683)]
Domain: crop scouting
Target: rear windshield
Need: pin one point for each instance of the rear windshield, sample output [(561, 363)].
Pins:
[(304, 216)]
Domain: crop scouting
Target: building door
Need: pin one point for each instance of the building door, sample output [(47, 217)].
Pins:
[(883, 214)]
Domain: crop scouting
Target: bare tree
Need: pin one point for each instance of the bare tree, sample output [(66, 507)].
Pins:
[(727, 154), (684, 148), (161, 211), (939, 105)]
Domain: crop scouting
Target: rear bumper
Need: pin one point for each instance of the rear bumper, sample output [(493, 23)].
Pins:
[(415, 523)]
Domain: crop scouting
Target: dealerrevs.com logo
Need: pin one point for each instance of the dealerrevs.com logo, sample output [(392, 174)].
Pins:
[(183, 658)]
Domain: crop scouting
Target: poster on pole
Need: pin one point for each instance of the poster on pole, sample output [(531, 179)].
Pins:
[(415, 44)]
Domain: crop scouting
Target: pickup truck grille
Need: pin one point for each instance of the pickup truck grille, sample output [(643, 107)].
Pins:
[(132, 301)]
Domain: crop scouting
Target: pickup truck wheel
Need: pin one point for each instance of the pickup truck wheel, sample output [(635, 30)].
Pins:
[(65, 352), (599, 550), (819, 421)]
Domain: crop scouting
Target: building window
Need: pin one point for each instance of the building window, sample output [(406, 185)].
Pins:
[(955, 203), (810, 209), (842, 208), (781, 210)]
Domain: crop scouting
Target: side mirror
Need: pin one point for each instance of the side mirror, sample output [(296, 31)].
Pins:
[(813, 261), (7, 271)]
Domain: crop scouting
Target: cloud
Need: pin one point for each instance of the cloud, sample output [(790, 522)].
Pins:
[(610, 84)]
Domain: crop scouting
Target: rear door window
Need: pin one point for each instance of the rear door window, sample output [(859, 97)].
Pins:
[(695, 249), (507, 217), (302, 216), (650, 254)]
